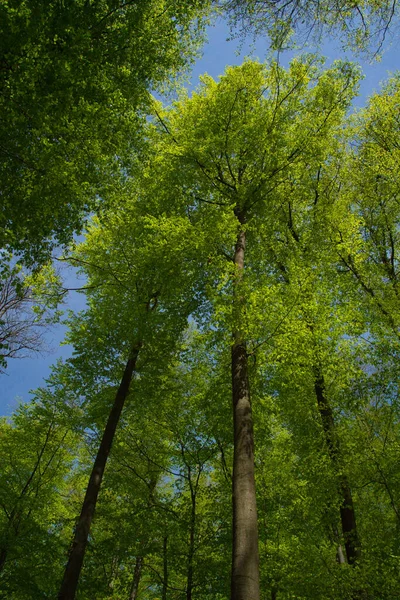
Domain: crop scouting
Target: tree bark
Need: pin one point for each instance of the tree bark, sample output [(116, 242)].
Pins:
[(3, 558), (165, 568), (189, 581), (347, 514), (136, 578), (245, 560), (79, 543)]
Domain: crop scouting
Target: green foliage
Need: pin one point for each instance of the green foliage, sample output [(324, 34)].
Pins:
[(319, 196), (37, 451), (360, 26), (73, 77)]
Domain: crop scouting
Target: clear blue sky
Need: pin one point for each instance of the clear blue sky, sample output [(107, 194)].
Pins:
[(27, 374)]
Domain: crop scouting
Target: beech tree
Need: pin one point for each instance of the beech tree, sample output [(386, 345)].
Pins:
[(247, 268), (73, 77), (235, 144), (138, 288)]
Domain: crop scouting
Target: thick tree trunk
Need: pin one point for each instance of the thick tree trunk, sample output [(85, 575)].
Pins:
[(136, 578), (77, 553), (165, 568), (245, 561), (347, 514)]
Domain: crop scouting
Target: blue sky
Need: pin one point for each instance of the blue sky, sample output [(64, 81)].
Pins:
[(29, 373)]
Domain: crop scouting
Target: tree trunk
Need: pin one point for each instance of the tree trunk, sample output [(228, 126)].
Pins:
[(77, 553), (3, 558), (189, 583), (136, 578), (347, 515), (245, 561), (340, 557), (165, 568)]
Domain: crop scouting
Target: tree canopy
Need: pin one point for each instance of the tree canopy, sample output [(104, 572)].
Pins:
[(362, 26), (227, 425), (247, 266), (73, 78)]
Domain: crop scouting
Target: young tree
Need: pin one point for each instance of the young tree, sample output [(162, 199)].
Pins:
[(37, 449)]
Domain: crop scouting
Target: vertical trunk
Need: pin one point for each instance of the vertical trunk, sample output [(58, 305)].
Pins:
[(340, 558), (347, 515), (165, 568), (136, 578), (3, 558), (245, 562), (189, 584), (77, 553)]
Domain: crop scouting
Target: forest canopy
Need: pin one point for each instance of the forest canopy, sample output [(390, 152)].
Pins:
[(227, 425)]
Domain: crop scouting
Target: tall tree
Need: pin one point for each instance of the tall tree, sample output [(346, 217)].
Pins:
[(233, 144), (132, 306), (73, 76), (77, 553)]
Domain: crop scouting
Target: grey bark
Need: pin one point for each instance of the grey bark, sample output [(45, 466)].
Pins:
[(136, 578), (245, 558)]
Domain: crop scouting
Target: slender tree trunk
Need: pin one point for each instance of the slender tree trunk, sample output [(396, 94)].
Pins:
[(347, 514), (340, 557), (15, 516), (77, 553), (165, 568), (189, 584), (3, 558), (136, 578), (245, 561)]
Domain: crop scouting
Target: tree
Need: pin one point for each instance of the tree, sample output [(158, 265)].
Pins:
[(246, 267), (140, 305), (361, 26), (27, 306), (232, 146), (73, 78), (37, 449)]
